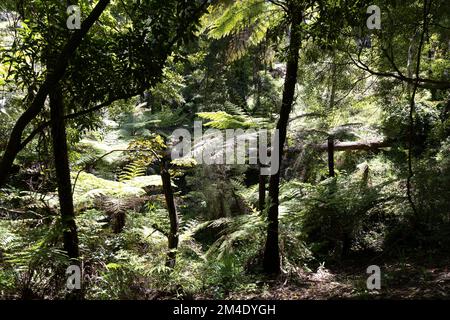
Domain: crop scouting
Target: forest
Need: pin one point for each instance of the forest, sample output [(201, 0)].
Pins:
[(224, 149)]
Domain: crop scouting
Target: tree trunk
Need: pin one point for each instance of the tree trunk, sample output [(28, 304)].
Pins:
[(331, 155), (173, 217), (262, 192), (61, 158), (271, 261), (333, 82), (346, 244), (261, 186)]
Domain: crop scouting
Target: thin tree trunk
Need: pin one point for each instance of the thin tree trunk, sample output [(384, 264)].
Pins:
[(331, 155), (262, 192), (412, 112), (271, 261), (332, 101), (261, 185), (61, 158), (333, 82), (173, 217)]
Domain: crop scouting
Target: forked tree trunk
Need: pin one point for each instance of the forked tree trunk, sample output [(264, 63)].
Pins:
[(271, 260), (61, 158)]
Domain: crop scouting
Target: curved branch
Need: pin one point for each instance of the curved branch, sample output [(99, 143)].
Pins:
[(279, 4)]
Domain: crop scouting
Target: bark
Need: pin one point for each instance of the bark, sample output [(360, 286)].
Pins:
[(60, 154), (262, 192), (333, 82), (331, 156), (346, 244), (173, 217), (14, 144), (262, 180), (271, 260)]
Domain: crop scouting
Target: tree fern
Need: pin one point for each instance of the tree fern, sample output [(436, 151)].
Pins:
[(246, 22)]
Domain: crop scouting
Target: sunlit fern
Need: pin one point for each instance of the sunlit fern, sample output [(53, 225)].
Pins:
[(244, 22), (136, 168)]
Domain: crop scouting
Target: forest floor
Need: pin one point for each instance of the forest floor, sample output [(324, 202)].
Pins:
[(405, 280), (418, 278)]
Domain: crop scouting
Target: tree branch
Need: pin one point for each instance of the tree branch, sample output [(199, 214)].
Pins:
[(421, 82)]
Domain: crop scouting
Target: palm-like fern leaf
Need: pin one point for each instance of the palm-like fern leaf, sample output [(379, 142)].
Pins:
[(245, 22)]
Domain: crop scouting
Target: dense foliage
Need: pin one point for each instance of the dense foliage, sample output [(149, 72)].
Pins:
[(365, 171)]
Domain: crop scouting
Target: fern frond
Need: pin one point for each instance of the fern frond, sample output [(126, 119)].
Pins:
[(239, 229), (132, 170), (224, 120), (246, 22)]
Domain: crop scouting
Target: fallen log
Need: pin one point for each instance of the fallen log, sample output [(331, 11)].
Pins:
[(331, 146), (356, 145)]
